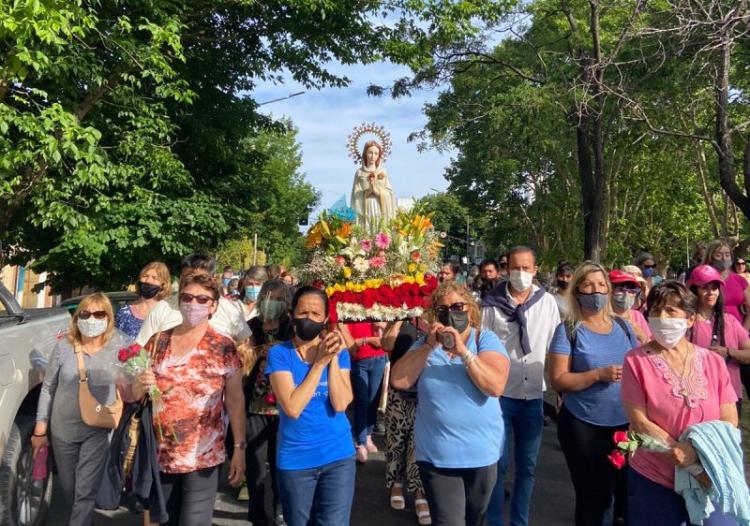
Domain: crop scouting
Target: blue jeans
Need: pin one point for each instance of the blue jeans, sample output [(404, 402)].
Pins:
[(367, 375), (652, 503), (321, 496), (524, 420)]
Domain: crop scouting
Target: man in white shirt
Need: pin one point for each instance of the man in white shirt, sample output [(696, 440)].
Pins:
[(524, 317), (227, 320)]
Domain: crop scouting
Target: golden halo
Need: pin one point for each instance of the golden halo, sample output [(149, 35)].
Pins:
[(352, 141)]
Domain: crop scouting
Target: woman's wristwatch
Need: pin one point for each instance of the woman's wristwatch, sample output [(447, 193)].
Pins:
[(240, 445)]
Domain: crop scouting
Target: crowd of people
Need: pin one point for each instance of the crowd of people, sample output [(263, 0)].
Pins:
[(248, 377)]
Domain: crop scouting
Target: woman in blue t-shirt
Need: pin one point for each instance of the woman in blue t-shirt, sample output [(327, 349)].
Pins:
[(586, 358), (309, 375), (460, 372)]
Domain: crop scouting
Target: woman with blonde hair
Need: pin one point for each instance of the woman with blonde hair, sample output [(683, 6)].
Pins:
[(80, 450), (586, 359), (153, 286), (460, 371)]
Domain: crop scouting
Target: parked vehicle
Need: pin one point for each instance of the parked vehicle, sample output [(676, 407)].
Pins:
[(24, 351), (118, 299)]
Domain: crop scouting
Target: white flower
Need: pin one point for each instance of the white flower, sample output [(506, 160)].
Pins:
[(360, 264)]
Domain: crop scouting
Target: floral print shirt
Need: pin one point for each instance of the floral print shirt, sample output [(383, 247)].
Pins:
[(189, 417)]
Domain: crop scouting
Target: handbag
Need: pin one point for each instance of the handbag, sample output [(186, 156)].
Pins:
[(93, 413)]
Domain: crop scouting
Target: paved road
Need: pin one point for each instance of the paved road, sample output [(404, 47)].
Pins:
[(552, 503)]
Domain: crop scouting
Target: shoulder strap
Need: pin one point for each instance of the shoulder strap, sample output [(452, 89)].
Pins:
[(155, 346), (625, 326), (81, 366)]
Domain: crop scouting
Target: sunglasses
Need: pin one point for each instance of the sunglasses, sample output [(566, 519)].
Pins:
[(85, 315), (503, 264), (740, 263), (201, 298), (631, 290), (454, 307), (649, 266)]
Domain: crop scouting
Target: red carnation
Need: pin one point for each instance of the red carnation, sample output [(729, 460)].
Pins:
[(369, 297), (123, 355), (617, 459)]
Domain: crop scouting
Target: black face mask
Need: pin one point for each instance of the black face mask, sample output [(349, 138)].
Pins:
[(307, 330), (148, 290), (459, 320), (562, 285)]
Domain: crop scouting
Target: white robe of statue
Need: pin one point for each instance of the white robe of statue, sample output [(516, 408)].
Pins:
[(372, 193)]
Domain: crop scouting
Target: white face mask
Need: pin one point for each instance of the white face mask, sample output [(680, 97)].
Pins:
[(668, 331), (92, 327), (520, 280)]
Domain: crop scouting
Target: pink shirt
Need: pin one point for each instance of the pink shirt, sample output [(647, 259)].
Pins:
[(648, 382), (639, 321), (735, 336), (734, 294)]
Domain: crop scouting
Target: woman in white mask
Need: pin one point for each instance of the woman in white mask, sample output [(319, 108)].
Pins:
[(625, 293), (79, 449), (667, 385), (586, 358)]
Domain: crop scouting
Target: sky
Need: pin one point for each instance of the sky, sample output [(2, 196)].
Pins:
[(326, 117)]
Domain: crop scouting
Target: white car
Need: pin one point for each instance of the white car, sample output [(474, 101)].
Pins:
[(26, 341)]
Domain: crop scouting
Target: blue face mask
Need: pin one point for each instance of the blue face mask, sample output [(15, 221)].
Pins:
[(649, 272), (593, 302), (226, 281), (251, 292)]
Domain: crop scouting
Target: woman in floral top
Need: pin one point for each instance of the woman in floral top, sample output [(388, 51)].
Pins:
[(198, 373), (270, 327)]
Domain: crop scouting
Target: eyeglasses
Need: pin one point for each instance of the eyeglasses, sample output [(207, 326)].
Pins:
[(454, 307), (629, 290), (201, 298), (99, 314), (740, 263)]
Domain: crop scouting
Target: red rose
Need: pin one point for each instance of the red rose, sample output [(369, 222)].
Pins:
[(318, 284), (270, 398), (617, 459), (134, 347), (620, 436), (123, 355)]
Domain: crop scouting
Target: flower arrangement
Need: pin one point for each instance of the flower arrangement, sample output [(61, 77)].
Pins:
[(383, 275), (628, 442)]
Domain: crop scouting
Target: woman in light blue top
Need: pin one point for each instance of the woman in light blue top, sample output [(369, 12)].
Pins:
[(309, 375), (460, 372), (586, 358)]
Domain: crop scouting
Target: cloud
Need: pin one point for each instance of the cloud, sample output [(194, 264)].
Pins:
[(326, 117)]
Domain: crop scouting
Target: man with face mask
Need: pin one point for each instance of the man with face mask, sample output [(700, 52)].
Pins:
[(228, 319), (524, 317)]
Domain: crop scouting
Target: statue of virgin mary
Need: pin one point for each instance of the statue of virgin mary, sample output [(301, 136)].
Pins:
[(372, 193)]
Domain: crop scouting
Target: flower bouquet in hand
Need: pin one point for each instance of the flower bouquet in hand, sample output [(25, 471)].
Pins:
[(134, 360), (628, 442)]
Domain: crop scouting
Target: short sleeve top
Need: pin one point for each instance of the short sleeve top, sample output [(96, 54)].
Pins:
[(189, 416), (320, 435), (648, 382), (734, 294), (598, 404), (457, 425), (127, 321), (735, 336)]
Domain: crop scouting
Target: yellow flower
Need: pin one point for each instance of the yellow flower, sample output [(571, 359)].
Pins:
[(412, 267), (422, 267), (347, 272), (330, 291), (419, 279)]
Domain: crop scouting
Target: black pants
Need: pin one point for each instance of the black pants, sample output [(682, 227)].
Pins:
[(261, 448), (595, 480), (190, 496), (458, 496)]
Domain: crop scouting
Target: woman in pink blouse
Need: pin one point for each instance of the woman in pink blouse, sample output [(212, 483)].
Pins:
[(716, 330), (669, 384)]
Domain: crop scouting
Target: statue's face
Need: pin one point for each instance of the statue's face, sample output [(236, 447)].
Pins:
[(371, 155)]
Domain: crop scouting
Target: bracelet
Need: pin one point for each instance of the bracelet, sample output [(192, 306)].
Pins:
[(39, 436), (240, 445), (468, 357), (695, 469)]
